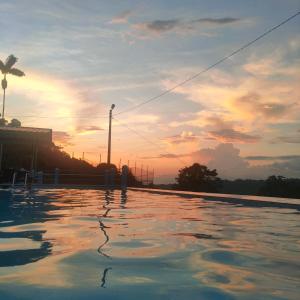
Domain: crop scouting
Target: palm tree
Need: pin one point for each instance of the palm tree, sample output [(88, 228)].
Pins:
[(7, 68)]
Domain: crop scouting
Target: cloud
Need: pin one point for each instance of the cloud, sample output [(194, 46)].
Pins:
[(225, 158), (262, 67), (290, 168), (165, 155), (294, 43), (68, 104), (228, 162), (217, 126), (272, 158), (230, 165), (142, 119), (289, 139), (87, 129), (159, 27), (207, 120), (233, 136), (252, 103), (62, 138), (216, 21), (184, 137), (122, 18), (6, 7), (239, 102)]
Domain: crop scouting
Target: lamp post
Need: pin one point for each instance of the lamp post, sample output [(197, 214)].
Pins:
[(109, 135)]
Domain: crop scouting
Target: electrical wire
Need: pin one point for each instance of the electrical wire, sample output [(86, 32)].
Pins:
[(243, 47), (151, 142)]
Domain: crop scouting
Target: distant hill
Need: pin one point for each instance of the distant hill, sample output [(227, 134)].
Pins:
[(71, 170), (274, 186)]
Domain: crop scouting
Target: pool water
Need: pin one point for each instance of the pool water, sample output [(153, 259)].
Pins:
[(92, 244)]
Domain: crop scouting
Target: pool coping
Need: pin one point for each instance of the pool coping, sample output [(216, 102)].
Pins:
[(248, 200)]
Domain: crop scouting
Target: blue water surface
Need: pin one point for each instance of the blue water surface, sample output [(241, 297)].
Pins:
[(95, 244)]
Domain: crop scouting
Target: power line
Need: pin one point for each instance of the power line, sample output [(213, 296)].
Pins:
[(248, 44), (243, 47), (151, 142)]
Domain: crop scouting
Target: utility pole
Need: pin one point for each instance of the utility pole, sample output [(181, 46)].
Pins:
[(153, 177), (147, 176), (100, 159), (109, 135)]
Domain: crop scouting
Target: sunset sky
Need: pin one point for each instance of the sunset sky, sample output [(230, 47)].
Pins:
[(242, 117)]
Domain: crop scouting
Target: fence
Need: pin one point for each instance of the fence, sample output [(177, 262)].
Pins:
[(109, 178), (143, 176)]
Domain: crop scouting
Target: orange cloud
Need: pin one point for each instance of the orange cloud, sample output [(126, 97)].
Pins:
[(244, 102), (184, 137), (87, 129), (62, 138), (54, 99), (233, 136)]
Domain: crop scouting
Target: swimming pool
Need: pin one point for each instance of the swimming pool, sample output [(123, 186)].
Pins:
[(92, 244)]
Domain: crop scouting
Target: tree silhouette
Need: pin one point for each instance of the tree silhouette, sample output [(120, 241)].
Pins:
[(3, 122), (7, 68), (198, 178), (279, 186), (14, 123)]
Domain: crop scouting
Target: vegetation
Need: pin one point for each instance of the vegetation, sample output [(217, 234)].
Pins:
[(274, 186), (242, 186), (7, 68), (72, 170), (193, 178), (12, 123), (198, 178), (280, 186)]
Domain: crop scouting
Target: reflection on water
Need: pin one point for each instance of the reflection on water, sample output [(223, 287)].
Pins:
[(103, 228), (89, 244), (17, 210), (103, 279)]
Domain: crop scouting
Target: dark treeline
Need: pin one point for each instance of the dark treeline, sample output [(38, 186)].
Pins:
[(199, 178), (274, 186), (193, 178), (71, 170)]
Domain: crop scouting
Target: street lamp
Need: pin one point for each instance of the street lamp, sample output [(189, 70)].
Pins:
[(109, 135)]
